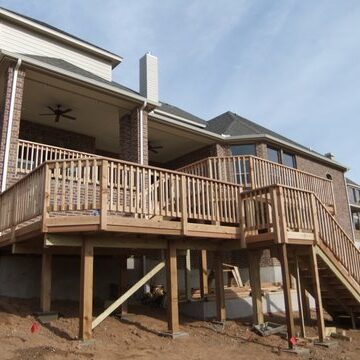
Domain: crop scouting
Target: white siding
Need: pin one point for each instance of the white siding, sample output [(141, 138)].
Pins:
[(16, 39)]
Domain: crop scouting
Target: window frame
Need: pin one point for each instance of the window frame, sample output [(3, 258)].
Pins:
[(280, 156)]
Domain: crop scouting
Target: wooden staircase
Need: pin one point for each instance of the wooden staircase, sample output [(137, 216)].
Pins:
[(299, 221), (340, 296)]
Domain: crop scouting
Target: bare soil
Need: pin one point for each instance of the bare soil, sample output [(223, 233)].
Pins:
[(138, 338)]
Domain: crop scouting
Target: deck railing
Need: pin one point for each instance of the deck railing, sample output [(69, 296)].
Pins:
[(32, 154), (99, 186), (280, 211), (23, 201), (252, 172)]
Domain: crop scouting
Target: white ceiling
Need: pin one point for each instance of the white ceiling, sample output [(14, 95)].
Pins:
[(97, 115)]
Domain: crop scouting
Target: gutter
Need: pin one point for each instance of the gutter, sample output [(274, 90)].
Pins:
[(9, 127)]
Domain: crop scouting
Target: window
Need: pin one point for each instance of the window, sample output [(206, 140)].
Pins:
[(243, 149), (273, 155), (354, 195), (281, 157), (356, 220), (351, 195), (288, 160)]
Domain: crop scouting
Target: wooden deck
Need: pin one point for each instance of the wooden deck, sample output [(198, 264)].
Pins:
[(93, 202)]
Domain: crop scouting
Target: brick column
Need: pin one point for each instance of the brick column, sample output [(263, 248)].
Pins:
[(130, 137), (4, 121)]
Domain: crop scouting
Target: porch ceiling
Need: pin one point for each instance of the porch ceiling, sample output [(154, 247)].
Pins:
[(97, 114), (175, 142)]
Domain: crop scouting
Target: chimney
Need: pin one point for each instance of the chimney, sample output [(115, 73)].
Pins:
[(149, 83), (330, 155)]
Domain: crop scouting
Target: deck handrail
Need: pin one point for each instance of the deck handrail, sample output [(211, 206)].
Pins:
[(253, 172), (281, 209), (99, 186), (31, 154)]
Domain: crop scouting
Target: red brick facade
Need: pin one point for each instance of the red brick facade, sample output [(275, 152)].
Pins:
[(56, 137), (4, 120), (339, 185), (130, 137)]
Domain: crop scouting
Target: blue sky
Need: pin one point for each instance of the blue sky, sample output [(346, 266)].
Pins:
[(292, 66)]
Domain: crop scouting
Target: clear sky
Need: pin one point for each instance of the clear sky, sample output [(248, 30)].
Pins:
[(292, 66)]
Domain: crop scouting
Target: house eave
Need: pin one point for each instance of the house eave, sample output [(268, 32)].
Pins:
[(114, 59), (68, 74)]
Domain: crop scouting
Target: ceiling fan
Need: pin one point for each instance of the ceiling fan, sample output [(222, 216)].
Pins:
[(154, 148), (59, 112)]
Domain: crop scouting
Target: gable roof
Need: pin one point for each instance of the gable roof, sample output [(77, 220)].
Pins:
[(55, 32)]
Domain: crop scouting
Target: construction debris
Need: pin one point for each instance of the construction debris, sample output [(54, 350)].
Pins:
[(341, 336), (235, 273), (269, 328)]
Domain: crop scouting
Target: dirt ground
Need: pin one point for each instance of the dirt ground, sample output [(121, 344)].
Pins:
[(138, 338)]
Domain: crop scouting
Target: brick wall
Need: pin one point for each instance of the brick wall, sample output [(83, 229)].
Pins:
[(207, 151), (57, 137), (261, 150), (340, 189), (130, 137), (4, 119)]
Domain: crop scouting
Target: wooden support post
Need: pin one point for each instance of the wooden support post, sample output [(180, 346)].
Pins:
[(45, 297), (255, 284), (287, 293), (204, 287), (219, 287), (317, 294), (172, 289), (86, 290), (299, 297), (188, 275), (123, 283)]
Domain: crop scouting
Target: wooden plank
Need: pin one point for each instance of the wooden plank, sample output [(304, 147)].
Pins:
[(46, 272), (127, 294), (219, 287), (283, 254), (203, 272), (254, 257), (317, 294), (86, 290), (172, 289)]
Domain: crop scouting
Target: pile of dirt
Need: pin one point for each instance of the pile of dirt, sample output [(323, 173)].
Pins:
[(138, 338)]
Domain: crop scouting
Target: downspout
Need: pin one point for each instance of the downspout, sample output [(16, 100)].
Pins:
[(146, 288), (9, 128), (142, 132)]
